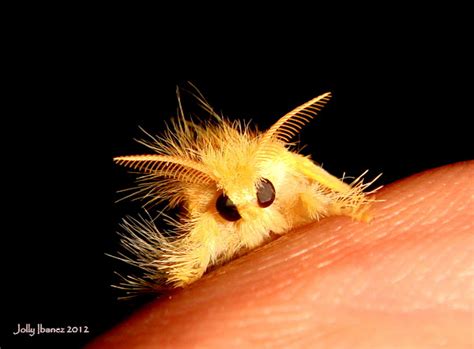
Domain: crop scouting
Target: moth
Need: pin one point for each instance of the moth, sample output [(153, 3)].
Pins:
[(234, 187)]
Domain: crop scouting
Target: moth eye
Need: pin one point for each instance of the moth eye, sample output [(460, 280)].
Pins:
[(227, 209), (265, 193)]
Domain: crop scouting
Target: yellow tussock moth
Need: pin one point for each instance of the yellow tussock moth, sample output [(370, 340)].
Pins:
[(234, 187)]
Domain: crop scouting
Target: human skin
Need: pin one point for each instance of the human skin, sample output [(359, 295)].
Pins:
[(404, 280)]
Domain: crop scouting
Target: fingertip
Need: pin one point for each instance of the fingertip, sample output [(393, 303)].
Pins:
[(400, 280)]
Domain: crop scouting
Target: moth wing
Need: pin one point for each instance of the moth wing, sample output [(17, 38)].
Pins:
[(316, 173)]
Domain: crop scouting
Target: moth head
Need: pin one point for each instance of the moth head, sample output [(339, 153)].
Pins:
[(237, 197), (246, 206), (243, 185)]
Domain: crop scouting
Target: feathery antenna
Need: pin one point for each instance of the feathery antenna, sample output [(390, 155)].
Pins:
[(167, 166)]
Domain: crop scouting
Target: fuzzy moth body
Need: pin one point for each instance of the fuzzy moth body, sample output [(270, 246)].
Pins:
[(235, 186)]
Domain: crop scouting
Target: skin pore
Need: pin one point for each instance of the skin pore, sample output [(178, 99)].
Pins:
[(404, 280)]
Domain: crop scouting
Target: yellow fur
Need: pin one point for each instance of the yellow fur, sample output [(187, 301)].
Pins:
[(192, 165)]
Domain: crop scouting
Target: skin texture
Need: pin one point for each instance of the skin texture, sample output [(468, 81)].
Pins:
[(404, 280)]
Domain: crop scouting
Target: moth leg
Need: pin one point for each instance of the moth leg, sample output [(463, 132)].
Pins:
[(195, 251), (331, 196), (309, 208), (355, 204), (187, 266)]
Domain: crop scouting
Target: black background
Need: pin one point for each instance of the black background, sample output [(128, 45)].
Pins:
[(399, 108)]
